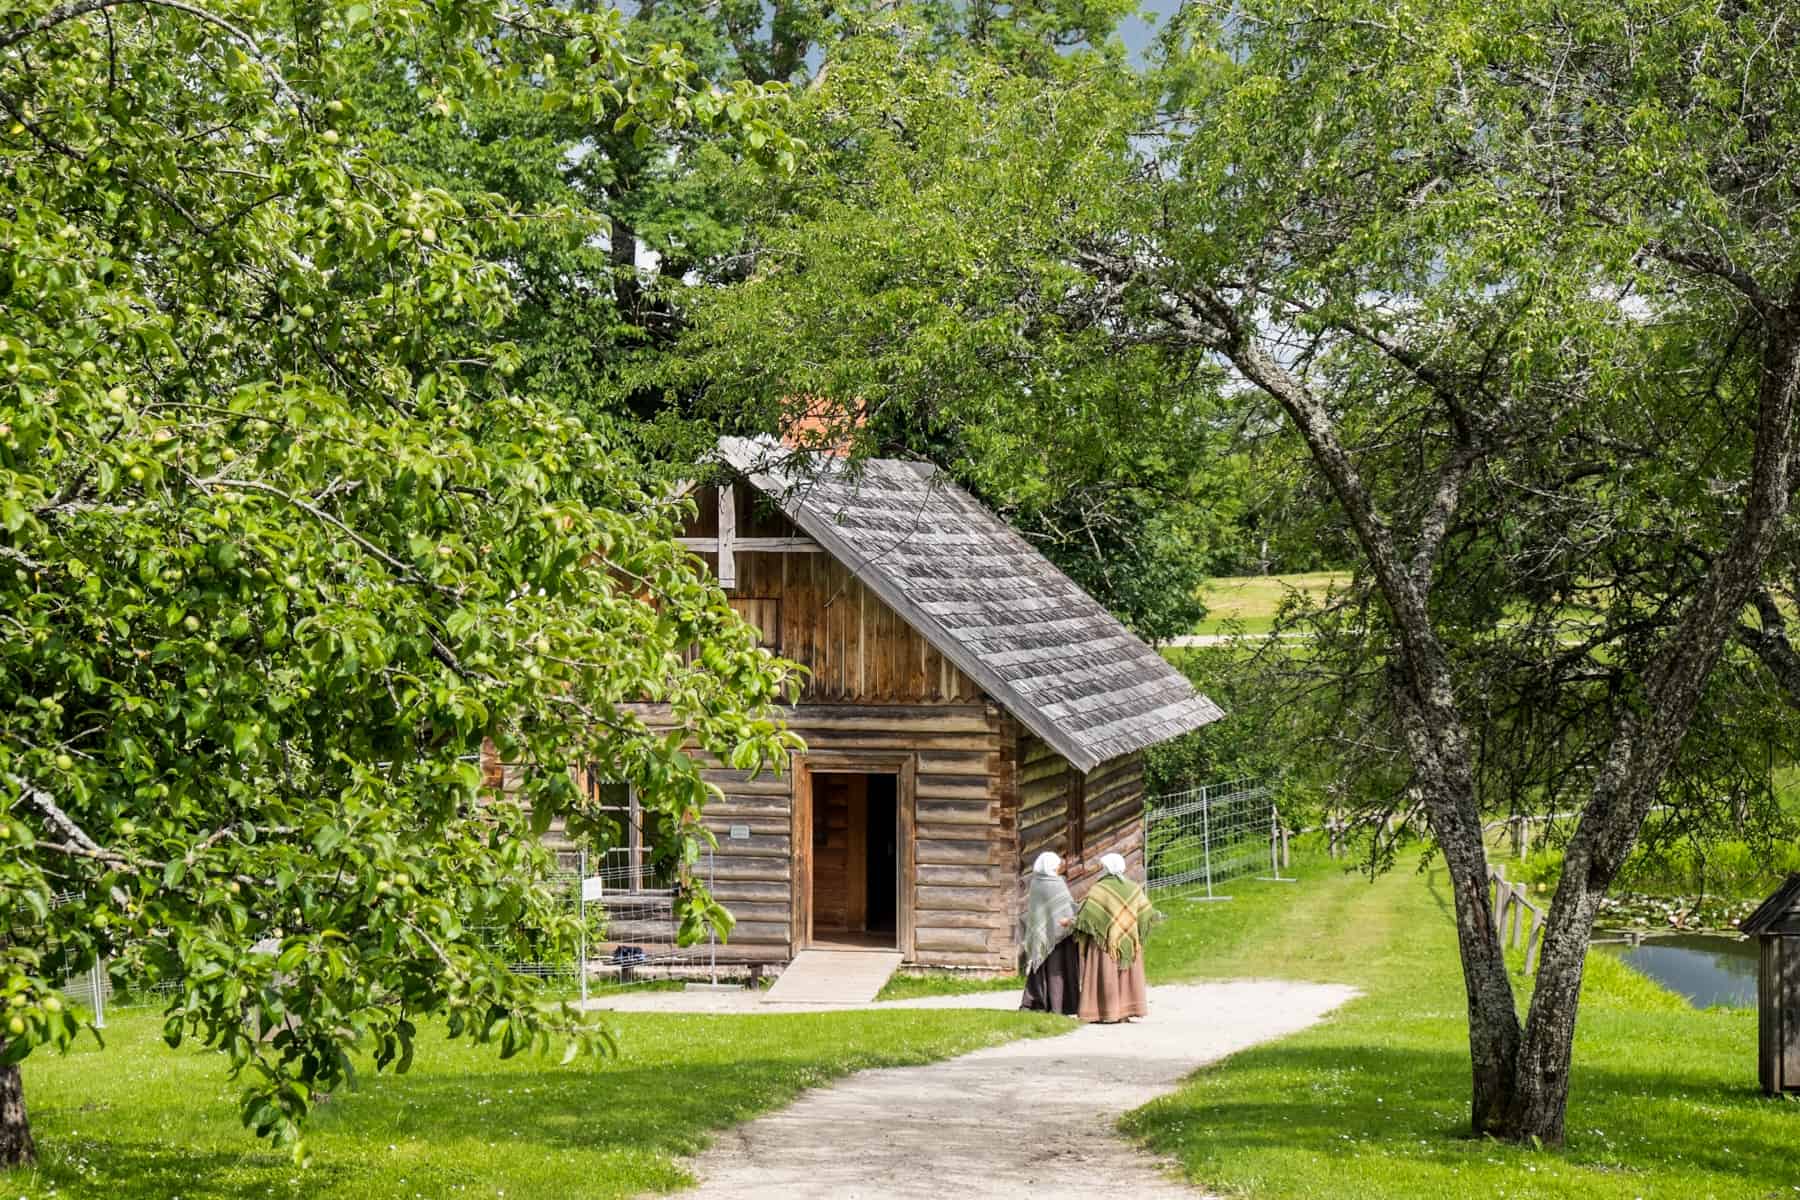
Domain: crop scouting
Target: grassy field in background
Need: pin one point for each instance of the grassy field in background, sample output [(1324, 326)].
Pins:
[(141, 1122), (1374, 1101), (1248, 604)]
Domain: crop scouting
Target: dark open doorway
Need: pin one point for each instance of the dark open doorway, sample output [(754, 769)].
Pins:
[(855, 859)]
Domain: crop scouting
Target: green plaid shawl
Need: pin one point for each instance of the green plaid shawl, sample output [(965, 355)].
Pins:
[(1113, 915)]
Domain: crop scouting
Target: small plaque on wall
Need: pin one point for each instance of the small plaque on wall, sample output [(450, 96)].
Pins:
[(740, 833)]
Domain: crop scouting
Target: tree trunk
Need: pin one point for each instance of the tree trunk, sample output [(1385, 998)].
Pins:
[(1424, 692), (1521, 1082), (1493, 1017), (1438, 747), (16, 1147), (1541, 1089), (1645, 746)]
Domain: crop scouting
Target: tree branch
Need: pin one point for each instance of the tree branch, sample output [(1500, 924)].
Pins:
[(70, 12), (1719, 268)]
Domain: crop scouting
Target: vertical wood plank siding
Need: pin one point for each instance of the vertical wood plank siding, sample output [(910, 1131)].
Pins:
[(810, 608)]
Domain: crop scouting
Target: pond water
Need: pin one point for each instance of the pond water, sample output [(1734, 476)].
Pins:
[(1708, 969)]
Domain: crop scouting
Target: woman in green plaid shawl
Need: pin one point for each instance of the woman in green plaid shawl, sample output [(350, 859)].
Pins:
[(1110, 928)]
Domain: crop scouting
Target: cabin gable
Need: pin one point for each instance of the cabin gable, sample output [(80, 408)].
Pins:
[(810, 608)]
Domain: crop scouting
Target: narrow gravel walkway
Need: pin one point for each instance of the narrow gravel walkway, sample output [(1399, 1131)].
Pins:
[(1030, 1118)]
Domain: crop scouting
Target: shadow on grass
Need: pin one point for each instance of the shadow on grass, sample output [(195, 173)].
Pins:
[(1334, 1101), (664, 1110), (125, 1167)]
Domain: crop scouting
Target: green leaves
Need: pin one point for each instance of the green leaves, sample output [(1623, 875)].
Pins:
[(274, 558)]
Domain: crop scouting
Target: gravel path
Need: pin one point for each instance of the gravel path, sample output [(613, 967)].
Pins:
[(1031, 1118)]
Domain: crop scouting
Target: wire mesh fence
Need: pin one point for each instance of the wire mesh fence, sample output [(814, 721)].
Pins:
[(1196, 839), (624, 907), (624, 910)]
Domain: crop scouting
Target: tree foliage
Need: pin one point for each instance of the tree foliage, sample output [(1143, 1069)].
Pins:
[(1520, 278), (281, 540), (882, 280)]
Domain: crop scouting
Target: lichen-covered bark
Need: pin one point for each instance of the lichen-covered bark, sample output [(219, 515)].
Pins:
[(1436, 737), (1521, 1078), (16, 1146)]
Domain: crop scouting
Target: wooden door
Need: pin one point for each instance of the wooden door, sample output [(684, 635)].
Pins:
[(807, 770)]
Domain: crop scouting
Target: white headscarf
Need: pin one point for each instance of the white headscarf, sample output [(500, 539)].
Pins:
[(1113, 864), (1048, 863)]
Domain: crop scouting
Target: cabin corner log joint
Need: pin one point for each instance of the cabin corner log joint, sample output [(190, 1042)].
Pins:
[(968, 707)]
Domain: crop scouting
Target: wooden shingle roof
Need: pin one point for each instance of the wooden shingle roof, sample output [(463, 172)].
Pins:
[(1780, 913), (985, 598)]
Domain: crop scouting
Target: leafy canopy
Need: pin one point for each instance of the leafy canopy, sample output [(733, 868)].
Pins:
[(281, 542), (915, 272)]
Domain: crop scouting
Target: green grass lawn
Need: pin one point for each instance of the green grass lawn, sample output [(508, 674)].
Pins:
[(141, 1122), (1374, 1101), (911, 985), (1248, 604)]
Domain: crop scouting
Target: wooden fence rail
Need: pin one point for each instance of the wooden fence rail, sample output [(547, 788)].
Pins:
[(1510, 902)]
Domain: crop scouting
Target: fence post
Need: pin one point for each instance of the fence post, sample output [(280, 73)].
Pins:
[(1498, 912), (1277, 849), (581, 967), (1206, 838), (1206, 863)]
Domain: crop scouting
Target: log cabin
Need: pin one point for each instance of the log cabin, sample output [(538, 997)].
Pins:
[(967, 707)]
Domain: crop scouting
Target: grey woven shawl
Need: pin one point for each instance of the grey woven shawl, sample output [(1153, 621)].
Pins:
[(1046, 908)]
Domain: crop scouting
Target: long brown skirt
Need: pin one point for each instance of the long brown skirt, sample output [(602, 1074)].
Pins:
[(1110, 992), (1056, 985)]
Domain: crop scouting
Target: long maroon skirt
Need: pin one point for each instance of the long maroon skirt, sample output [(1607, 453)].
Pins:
[(1056, 985), (1110, 992)]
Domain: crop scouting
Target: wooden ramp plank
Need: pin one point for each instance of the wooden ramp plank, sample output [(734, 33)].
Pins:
[(834, 977)]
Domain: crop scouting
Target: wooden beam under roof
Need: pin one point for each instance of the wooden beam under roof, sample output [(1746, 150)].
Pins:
[(759, 545)]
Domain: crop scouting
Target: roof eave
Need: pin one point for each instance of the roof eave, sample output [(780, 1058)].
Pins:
[(1771, 909), (744, 456)]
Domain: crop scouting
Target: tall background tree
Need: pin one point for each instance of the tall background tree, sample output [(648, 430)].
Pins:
[(1105, 476), (1519, 279), (283, 540), (637, 227)]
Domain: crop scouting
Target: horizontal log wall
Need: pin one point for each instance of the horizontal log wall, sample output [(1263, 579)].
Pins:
[(1125, 839), (964, 893), (1107, 803), (1047, 788), (1112, 794)]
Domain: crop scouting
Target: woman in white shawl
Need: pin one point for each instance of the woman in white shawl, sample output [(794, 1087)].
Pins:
[(1052, 965)]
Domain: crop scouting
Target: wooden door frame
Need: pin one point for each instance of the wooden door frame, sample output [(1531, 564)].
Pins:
[(903, 766)]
